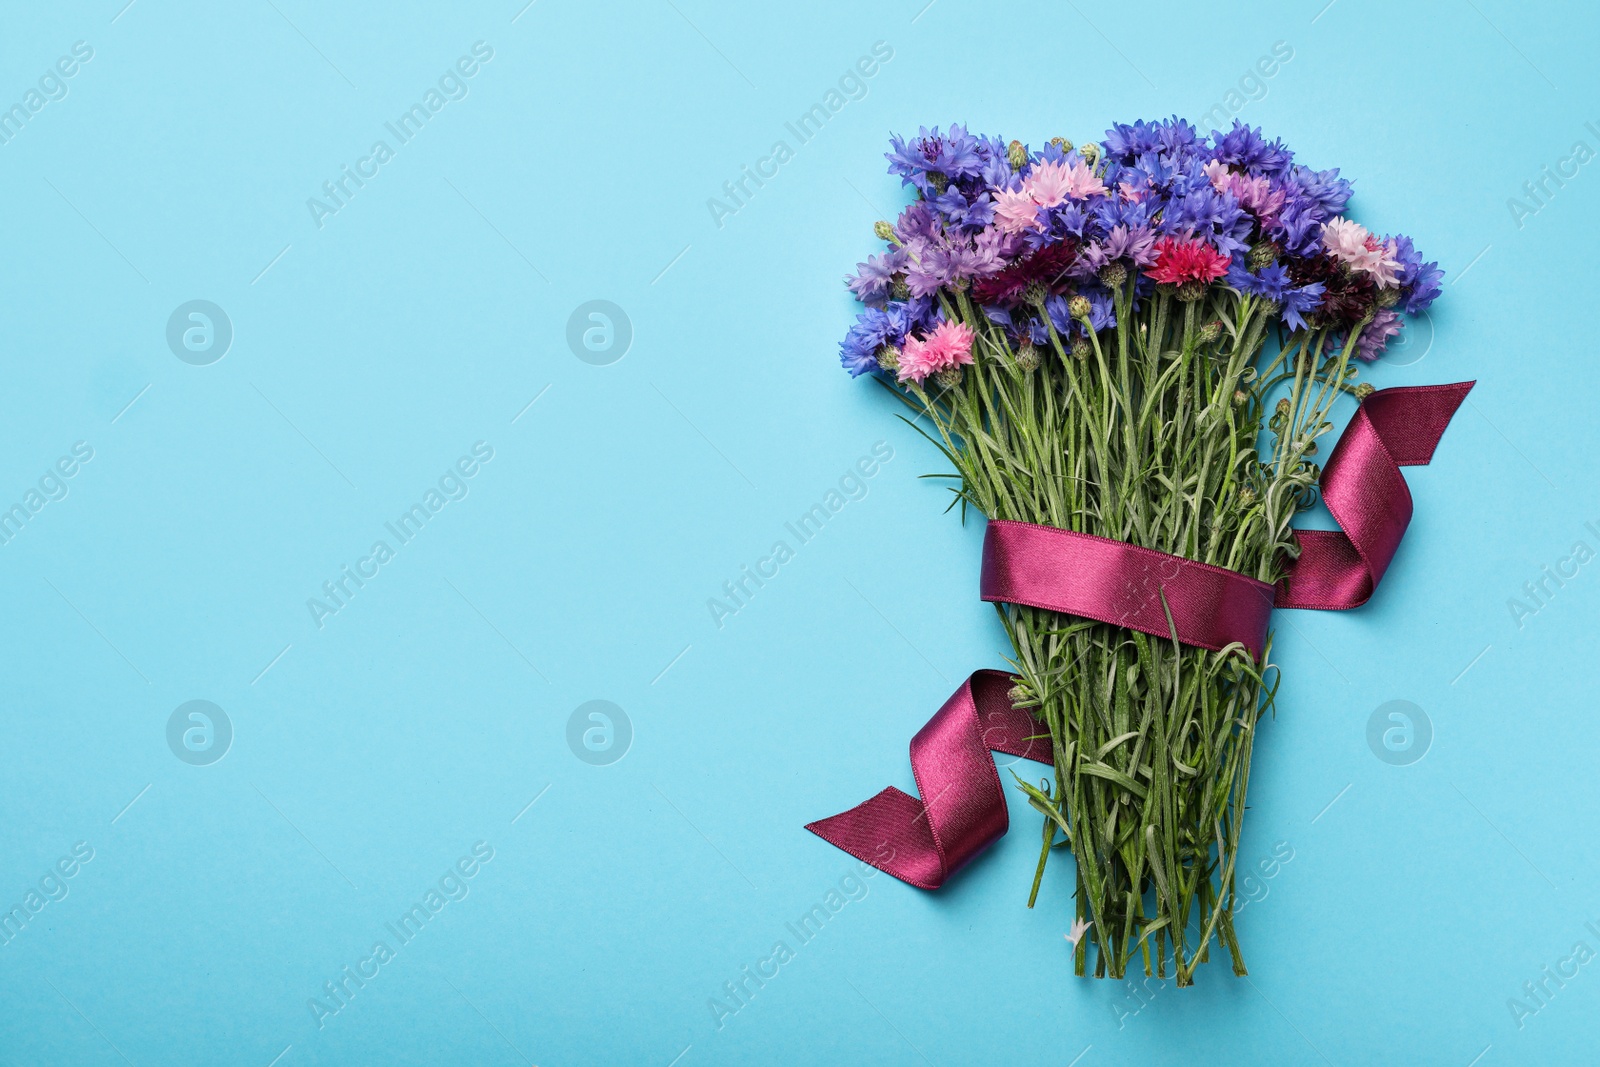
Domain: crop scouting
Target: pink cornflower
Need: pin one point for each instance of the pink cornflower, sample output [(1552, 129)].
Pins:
[(1049, 183), (1256, 195), (1014, 210), (1350, 242), (947, 345), (951, 343), (916, 360), (1345, 240)]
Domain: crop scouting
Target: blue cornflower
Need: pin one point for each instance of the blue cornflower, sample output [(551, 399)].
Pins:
[(1178, 139), (1102, 311), (1060, 315), (1419, 281), (1125, 143), (1325, 188), (1272, 282), (1297, 303), (1424, 290), (858, 352), (1299, 229), (1243, 148), (997, 171), (953, 205), (874, 328), (953, 155)]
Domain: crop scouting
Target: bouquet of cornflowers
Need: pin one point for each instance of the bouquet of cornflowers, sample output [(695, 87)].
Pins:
[(1140, 339)]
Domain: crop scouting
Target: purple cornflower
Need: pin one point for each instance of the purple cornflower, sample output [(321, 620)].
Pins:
[(871, 281), (1374, 338)]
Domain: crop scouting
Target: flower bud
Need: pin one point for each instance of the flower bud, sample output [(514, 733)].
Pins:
[(1247, 496), (1090, 152), (1035, 294), (1113, 274), (950, 377), (1283, 407), (1027, 357), (1017, 155), (1079, 308), (1388, 298), (898, 287), (1240, 398), (1020, 695), (889, 357), (1262, 255), (1364, 390), (1080, 348), (1210, 332), (1061, 143), (1191, 291), (884, 231)]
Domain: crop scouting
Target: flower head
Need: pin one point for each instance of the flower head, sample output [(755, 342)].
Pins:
[(1180, 260), (1298, 303), (874, 329), (933, 159), (1052, 182), (1047, 268), (947, 346), (1271, 282), (1351, 243), (1419, 281), (1375, 334), (916, 360), (1243, 147), (870, 283), (1015, 210)]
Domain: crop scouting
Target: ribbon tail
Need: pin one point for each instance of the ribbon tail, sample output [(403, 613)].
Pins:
[(889, 831), (1367, 496), (963, 806)]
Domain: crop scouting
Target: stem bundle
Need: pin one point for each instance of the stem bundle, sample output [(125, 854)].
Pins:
[(1150, 437)]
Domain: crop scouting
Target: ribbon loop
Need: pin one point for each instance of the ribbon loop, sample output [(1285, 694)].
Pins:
[(1367, 496)]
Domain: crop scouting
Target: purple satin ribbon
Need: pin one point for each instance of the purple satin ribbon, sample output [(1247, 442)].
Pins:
[(963, 810), (1125, 585), (1366, 494)]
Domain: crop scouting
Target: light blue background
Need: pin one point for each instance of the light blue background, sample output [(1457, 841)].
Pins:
[(425, 716)]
